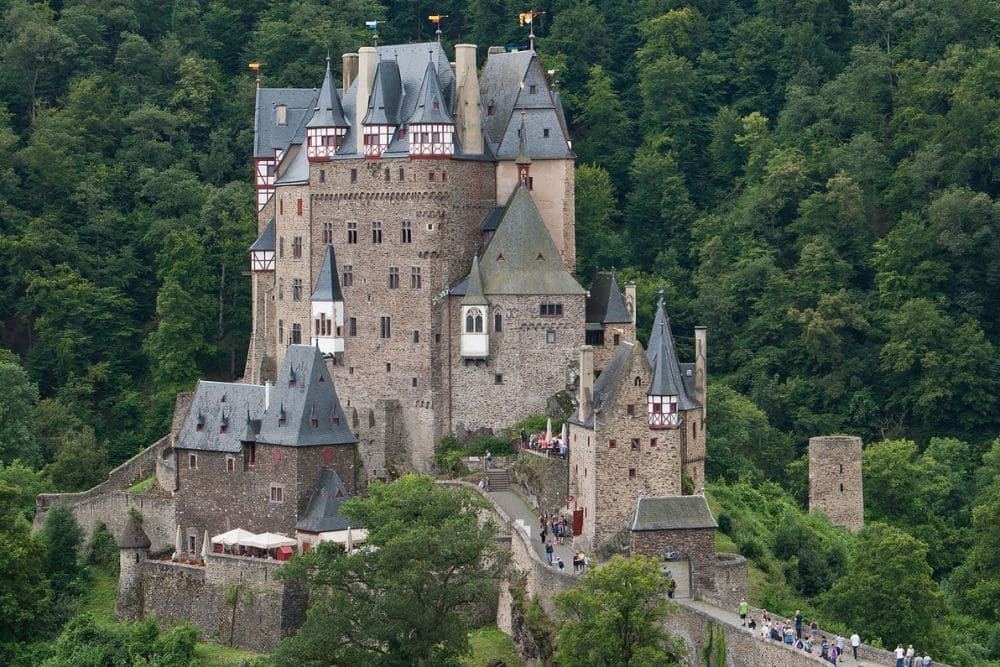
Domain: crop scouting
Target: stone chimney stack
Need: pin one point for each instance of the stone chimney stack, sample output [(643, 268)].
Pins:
[(468, 115), (367, 61), (701, 369), (630, 300), (350, 68), (586, 382)]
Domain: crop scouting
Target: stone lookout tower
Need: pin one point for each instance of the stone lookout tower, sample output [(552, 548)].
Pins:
[(835, 480), (134, 548)]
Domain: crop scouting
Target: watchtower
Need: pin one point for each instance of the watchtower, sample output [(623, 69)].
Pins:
[(835, 487), (134, 548)]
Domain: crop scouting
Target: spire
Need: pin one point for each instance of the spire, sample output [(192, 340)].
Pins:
[(328, 112), (328, 284), (432, 106), (523, 156), (662, 354), (474, 292)]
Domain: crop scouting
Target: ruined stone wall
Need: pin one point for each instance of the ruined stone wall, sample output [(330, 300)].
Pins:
[(544, 480), (835, 486), (234, 601), (523, 369)]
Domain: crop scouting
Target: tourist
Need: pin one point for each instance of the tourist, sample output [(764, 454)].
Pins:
[(900, 654), (809, 646), (482, 484), (543, 534), (576, 563), (855, 643), (671, 587), (813, 630), (548, 552), (744, 608), (560, 564), (840, 641), (752, 624), (909, 655), (489, 459), (798, 623), (789, 635), (927, 660), (581, 558)]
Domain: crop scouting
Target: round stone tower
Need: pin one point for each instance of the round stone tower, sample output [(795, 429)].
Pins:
[(134, 548), (835, 480)]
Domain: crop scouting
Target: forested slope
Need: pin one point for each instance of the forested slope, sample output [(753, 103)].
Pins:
[(814, 180)]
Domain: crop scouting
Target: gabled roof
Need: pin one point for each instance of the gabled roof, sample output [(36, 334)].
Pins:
[(266, 239), (302, 393), (521, 257), (431, 105), (215, 404), (270, 137), (328, 283), (667, 379), (133, 536), (387, 92), (621, 367), (672, 513), (474, 289), (328, 111), (606, 305), (323, 511)]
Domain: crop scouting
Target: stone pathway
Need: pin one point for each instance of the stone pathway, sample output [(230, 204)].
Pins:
[(516, 508)]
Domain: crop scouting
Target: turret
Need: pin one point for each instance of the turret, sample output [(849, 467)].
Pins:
[(475, 339), (380, 123), (328, 308), (667, 396), (431, 127), (133, 550), (326, 130), (262, 251)]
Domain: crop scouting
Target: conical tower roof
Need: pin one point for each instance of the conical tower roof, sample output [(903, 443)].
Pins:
[(474, 292), (133, 536), (328, 284), (667, 380), (432, 106), (329, 112)]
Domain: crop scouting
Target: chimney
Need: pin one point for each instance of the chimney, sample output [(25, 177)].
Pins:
[(586, 382), (630, 301), (367, 61), (701, 369), (468, 114), (267, 394), (350, 68)]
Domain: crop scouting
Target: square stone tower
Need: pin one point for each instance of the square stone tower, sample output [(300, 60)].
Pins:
[(835, 487)]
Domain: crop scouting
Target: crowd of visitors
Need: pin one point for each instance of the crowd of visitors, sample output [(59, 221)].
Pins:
[(555, 446), (794, 634), (557, 525)]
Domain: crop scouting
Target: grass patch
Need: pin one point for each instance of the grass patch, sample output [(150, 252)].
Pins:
[(724, 543), (488, 646), (144, 485), (100, 597), (217, 655)]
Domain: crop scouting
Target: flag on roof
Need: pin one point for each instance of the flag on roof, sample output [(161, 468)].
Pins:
[(254, 66), (436, 18), (525, 17), (372, 25)]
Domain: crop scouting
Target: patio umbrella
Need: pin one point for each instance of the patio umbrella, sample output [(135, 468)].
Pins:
[(548, 429), (178, 545), (234, 536), (562, 437), (269, 541), (204, 546), (350, 542)]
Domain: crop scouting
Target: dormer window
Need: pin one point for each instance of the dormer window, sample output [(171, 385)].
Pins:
[(489, 108), (282, 417), (532, 89), (291, 379), (435, 105), (281, 114), (224, 425), (314, 422), (200, 425)]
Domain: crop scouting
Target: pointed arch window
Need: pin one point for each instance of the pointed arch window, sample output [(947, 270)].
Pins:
[(474, 321)]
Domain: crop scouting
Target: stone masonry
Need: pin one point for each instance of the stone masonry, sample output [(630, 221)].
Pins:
[(835, 487)]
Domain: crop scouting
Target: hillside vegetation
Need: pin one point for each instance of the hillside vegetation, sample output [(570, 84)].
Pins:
[(815, 181)]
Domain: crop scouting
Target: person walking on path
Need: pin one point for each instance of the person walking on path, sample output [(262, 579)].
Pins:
[(840, 641), (900, 654), (560, 564), (489, 459), (909, 655), (744, 608), (855, 643), (548, 552), (798, 624)]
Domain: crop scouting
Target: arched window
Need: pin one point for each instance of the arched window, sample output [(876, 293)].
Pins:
[(474, 321), (638, 381)]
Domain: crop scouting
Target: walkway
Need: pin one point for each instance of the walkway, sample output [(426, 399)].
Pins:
[(516, 508)]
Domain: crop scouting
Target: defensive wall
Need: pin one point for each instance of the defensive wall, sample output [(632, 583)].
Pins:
[(233, 600), (109, 502)]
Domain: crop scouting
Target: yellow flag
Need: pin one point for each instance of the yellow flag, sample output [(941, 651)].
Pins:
[(255, 67)]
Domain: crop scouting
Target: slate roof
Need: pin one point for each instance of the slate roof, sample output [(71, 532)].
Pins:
[(297, 169), (672, 513), (323, 510), (521, 257), (606, 304), (431, 105), (266, 239), (506, 84), (303, 392), (133, 536), (617, 371), (216, 404), (492, 219), (667, 379), (474, 288), (328, 283), (328, 112), (387, 93), (268, 135)]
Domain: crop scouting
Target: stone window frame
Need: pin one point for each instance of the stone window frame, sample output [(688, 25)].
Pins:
[(296, 334), (354, 175), (474, 321), (352, 327), (498, 321), (547, 309), (393, 277), (230, 464), (348, 278), (296, 289), (376, 232), (277, 493), (192, 461), (630, 409), (327, 232), (635, 445), (352, 232), (406, 231), (416, 277), (413, 382), (653, 442), (498, 378), (385, 327), (612, 443), (632, 476), (550, 336)]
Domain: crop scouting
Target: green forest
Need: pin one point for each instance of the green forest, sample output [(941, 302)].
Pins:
[(816, 181)]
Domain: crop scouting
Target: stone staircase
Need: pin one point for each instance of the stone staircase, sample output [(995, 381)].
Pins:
[(499, 479)]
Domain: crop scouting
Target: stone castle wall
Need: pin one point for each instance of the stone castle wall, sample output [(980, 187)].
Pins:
[(835, 486), (542, 479), (234, 601)]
